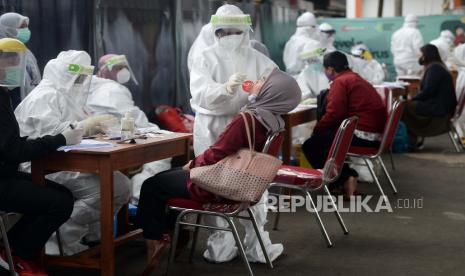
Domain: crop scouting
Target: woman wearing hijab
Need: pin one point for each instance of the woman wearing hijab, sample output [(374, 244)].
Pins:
[(14, 25), (269, 99), (429, 112)]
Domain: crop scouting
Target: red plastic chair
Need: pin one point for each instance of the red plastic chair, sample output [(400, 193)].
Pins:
[(307, 180), (453, 134), (227, 211), (367, 153)]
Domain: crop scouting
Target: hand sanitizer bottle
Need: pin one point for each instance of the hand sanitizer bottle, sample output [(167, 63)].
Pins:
[(127, 126)]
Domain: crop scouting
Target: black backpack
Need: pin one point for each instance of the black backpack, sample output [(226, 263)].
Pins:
[(321, 104)]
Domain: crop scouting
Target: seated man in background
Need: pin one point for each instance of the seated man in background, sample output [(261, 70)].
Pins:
[(55, 104), (348, 95), (109, 95), (429, 112)]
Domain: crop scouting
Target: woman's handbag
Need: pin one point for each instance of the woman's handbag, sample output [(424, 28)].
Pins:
[(243, 176)]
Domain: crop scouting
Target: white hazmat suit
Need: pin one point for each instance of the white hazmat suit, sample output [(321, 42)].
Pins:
[(326, 35), (306, 32), (459, 61), (312, 79), (444, 43), (48, 110), (368, 68), (405, 47), (215, 104), (110, 97)]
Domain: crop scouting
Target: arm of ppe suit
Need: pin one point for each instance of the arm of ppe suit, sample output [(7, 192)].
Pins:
[(116, 100), (37, 119), (16, 149), (431, 83), (209, 94), (92, 125), (417, 41)]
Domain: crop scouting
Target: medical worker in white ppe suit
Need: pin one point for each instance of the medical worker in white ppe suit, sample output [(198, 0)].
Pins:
[(362, 62), (56, 103), (459, 62), (444, 43), (306, 32), (405, 47), (326, 35), (216, 78), (109, 95)]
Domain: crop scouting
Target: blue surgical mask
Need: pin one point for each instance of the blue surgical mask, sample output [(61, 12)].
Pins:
[(13, 76), (23, 34)]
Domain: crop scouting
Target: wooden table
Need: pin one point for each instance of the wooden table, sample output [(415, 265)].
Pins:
[(105, 161), (300, 115), (414, 84)]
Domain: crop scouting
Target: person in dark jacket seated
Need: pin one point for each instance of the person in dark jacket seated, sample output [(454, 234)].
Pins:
[(429, 112), (349, 95), (43, 208), (269, 99)]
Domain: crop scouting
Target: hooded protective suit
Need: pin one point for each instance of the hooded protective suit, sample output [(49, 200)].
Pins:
[(10, 23), (215, 107), (368, 68), (312, 79), (459, 61), (405, 47), (326, 35), (107, 96), (48, 110), (444, 43), (206, 38), (305, 33)]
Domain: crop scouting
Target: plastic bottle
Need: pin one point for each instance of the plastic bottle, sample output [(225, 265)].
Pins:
[(127, 126)]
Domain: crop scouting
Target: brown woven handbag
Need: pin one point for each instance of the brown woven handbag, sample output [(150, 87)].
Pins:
[(243, 176)]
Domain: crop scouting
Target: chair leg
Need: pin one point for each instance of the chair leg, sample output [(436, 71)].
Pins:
[(195, 238), (320, 222), (239, 244), (394, 189), (458, 147), (174, 242), (60, 243), (278, 214), (392, 159), (338, 215), (7, 246), (259, 236), (373, 174)]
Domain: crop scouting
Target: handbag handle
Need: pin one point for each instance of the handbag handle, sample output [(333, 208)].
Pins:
[(247, 130)]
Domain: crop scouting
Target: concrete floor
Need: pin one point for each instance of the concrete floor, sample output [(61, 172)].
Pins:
[(414, 241)]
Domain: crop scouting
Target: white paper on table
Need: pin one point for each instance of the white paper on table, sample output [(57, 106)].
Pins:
[(154, 130), (86, 144), (303, 106)]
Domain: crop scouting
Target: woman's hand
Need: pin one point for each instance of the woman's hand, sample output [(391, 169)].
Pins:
[(187, 167)]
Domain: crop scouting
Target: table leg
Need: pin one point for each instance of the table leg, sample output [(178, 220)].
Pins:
[(287, 145), (107, 258)]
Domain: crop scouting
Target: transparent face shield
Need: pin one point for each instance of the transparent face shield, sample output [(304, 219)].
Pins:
[(120, 65), (233, 23), (80, 88), (12, 68)]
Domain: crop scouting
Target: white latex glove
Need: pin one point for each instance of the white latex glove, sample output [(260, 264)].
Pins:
[(234, 82), (92, 125), (73, 136)]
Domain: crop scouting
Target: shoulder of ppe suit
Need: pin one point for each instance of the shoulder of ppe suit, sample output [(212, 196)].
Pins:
[(36, 98)]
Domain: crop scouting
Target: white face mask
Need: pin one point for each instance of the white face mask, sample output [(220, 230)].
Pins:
[(231, 42), (123, 76)]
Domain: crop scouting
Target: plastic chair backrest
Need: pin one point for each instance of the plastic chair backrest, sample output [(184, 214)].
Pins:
[(339, 148), (460, 106), (391, 125)]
